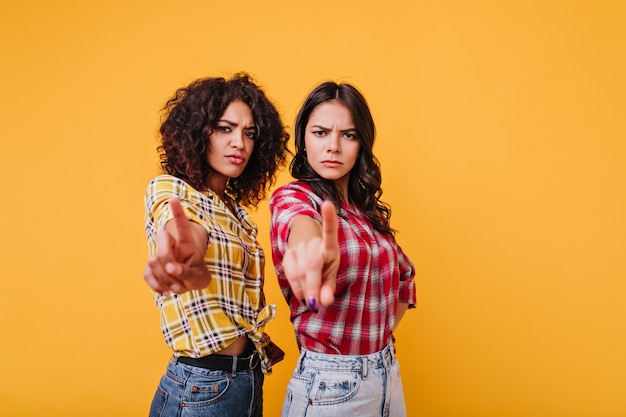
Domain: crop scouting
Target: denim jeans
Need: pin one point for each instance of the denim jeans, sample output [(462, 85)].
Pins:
[(190, 391), (345, 385)]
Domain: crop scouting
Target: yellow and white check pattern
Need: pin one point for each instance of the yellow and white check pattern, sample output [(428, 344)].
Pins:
[(201, 322)]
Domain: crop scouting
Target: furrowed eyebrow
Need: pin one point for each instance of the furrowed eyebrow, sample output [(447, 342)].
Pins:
[(350, 130), (230, 123)]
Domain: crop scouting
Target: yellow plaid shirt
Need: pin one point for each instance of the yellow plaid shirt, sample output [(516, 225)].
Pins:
[(201, 322)]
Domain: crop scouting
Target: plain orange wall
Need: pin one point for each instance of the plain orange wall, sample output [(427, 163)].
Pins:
[(503, 145)]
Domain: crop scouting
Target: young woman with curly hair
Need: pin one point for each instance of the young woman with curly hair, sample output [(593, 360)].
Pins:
[(222, 141), (345, 278)]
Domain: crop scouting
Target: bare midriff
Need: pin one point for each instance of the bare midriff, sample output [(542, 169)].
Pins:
[(238, 347)]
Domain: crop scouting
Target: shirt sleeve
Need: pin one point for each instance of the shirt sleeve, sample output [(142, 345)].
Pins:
[(407, 293), (288, 202), (158, 211)]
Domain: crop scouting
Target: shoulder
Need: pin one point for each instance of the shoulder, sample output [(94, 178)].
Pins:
[(295, 191), (171, 186), (168, 182), (163, 187), (294, 199), (293, 186)]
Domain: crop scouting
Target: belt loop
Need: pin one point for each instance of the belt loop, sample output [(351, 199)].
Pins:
[(364, 362), (299, 365), (392, 351), (234, 371)]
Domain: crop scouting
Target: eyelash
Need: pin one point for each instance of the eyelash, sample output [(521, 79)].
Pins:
[(251, 134), (321, 133)]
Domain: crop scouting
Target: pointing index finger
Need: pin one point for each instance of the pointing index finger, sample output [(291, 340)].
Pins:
[(330, 250), (329, 226), (181, 222)]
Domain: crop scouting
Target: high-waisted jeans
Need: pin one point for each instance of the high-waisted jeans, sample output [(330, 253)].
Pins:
[(190, 391), (325, 385)]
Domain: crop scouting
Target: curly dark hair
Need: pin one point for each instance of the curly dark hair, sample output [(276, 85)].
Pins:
[(188, 119), (364, 186)]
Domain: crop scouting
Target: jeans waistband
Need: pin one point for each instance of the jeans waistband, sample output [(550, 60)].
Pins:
[(380, 359), (222, 362)]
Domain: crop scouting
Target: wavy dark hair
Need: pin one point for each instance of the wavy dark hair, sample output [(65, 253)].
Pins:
[(188, 119), (364, 185)]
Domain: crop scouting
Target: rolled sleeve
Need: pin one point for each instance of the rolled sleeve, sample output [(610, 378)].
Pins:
[(287, 203), (407, 293), (158, 211)]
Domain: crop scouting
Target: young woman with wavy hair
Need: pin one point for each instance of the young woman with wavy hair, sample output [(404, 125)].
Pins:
[(346, 280), (222, 141)]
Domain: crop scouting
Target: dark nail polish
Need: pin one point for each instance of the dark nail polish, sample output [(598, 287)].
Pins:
[(313, 305), (303, 301)]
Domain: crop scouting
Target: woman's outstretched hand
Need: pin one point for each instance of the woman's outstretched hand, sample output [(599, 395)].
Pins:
[(311, 265), (178, 264)]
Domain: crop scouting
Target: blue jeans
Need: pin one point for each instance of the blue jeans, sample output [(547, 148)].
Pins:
[(345, 385), (190, 391)]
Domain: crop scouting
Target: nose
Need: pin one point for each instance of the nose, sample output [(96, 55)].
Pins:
[(333, 144), (237, 139)]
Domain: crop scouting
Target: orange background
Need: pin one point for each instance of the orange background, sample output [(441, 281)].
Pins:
[(502, 139)]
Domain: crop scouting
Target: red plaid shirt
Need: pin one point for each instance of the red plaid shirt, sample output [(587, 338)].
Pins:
[(374, 275)]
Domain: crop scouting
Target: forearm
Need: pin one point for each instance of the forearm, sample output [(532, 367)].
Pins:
[(303, 229), (400, 310)]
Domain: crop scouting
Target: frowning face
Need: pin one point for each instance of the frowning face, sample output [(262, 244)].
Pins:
[(231, 144), (331, 143)]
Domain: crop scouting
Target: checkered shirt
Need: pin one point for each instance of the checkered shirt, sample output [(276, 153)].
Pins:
[(201, 322), (374, 275)]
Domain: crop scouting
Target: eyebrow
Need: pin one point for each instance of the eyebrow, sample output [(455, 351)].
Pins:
[(230, 123), (352, 129)]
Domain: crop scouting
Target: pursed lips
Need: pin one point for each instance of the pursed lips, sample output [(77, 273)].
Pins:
[(235, 158), (331, 162)]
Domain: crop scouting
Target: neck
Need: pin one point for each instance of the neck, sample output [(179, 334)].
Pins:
[(342, 188), (218, 185)]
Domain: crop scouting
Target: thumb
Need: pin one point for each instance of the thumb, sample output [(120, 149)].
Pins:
[(175, 269)]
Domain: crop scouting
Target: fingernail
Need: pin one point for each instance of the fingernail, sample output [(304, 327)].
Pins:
[(303, 301), (313, 305)]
